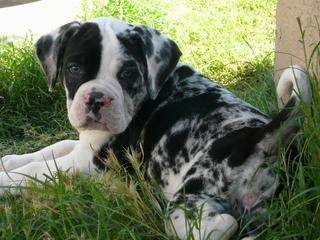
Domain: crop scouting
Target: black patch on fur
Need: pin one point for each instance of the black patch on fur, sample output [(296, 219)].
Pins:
[(84, 48), (190, 172), (225, 187), (204, 128), (236, 146), (215, 174), (185, 154), (165, 50), (43, 46), (157, 59), (147, 37), (282, 117), (132, 46), (184, 72), (193, 186), (175, 143), (205, 164)]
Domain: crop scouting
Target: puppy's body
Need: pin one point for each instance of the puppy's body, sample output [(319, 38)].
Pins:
[(195, 135), (207, 149)]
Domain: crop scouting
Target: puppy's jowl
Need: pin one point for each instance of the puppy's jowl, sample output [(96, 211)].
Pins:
[(207, 149)]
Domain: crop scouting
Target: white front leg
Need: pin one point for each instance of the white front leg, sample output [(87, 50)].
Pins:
[(77, 160), (53, 151), (68, 156)]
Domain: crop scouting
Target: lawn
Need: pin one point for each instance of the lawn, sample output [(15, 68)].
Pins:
[(231, 42)]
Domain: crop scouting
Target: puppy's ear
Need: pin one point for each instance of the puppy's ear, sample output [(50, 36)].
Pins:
[(162, 55), (50, 49)]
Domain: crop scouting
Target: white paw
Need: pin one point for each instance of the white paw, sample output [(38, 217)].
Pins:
[(10, 182), (222, 226)]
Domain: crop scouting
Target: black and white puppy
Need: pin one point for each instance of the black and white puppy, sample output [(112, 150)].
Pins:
[(208, 150)]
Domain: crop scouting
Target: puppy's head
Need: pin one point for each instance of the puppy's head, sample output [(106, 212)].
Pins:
[(108, 68)]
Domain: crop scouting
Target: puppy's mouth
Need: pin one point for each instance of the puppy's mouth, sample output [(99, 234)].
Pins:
[(104, 119), (93, 123), (95, 116)]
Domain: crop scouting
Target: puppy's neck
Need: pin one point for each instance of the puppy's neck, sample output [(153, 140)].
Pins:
[(93, 138)]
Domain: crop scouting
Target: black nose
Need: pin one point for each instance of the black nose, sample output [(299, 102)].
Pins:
[(94, 97), (95, 101)]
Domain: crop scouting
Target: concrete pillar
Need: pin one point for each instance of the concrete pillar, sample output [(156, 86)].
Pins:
[(288, 46)]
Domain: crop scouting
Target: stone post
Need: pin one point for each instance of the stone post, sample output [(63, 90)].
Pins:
[(288, 45)]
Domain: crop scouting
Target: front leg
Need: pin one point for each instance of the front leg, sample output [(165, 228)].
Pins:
[(77, 160), (65, 156), (53, 151)]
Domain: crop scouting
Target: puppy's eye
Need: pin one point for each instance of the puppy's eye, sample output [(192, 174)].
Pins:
[(74, 68), (129, 72)]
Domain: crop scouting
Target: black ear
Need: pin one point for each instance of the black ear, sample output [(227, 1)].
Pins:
[(162, 55), (50, 49)]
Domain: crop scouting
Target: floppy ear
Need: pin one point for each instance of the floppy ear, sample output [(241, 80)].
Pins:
[(50, 49), (162, 55)]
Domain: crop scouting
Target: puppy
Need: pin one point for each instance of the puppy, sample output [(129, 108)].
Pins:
[(211, 153)]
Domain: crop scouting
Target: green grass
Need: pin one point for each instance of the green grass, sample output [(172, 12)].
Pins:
[(231, 42), (27, 110), (219, 38), (79, 207)]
